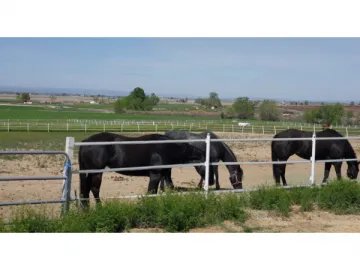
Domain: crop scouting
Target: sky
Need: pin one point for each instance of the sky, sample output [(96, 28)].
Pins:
[(273, 68)]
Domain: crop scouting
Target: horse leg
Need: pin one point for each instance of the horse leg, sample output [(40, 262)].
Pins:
[(337, 166), (202, 175), (155, 178), (201, 182), (85, 187), (167, 179), (216, 172), (282, 174), (327, 169), (276, 173), (95, 186)]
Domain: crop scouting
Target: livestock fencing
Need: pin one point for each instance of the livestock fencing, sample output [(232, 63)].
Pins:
[(66, 177), (160, 126), (71, 144), (69, 157)]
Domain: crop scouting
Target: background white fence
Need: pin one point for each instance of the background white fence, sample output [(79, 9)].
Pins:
[(160, 126)]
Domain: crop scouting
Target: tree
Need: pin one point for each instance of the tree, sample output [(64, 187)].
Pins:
[(121, 104), (349, 114), (155, 99), (269, 111), (329, 114), (306, 102), (214, 100), (228, 112), (332, 113), (243, 108), (136, 101), (138, 93), (22, 97)]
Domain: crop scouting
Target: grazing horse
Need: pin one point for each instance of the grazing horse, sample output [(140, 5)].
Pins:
[(131, 155), (325, 149), (218, 151)]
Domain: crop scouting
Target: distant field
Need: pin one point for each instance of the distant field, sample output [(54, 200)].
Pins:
[(92, 106), (178, 106), (33, 112)]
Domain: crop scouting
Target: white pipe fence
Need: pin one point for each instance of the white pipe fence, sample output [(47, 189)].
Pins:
[(71, 144), (133, 126)]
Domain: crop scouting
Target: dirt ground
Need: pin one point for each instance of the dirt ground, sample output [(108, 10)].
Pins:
[(267, 222), (115, 185)]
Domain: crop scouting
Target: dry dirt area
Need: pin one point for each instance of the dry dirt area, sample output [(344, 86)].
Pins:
[(267, 222), (114, 185)]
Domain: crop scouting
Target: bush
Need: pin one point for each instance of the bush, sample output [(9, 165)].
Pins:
[(342, 197), (180, 213), (172, 213), (277, 199)]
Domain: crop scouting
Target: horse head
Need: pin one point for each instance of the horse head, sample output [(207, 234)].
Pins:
[(236, 177), (353, 169)]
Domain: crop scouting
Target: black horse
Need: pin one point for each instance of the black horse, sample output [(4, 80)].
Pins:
[(218, 151), (325, 149), (131, 155)]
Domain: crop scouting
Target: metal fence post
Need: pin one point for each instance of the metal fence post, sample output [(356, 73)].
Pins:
[(207, 163), (66, 192), (347, 133), (312, 177), (69, 147)]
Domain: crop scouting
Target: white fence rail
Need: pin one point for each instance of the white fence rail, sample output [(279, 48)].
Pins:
[(155, 126), (71, 144)]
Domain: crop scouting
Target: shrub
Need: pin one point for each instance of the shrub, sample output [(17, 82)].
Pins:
[(277, 199), (340, 197)]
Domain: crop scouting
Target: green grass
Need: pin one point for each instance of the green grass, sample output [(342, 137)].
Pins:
[(92, 106), (32, 112), (38, 140), (171, 213), (182, 213)]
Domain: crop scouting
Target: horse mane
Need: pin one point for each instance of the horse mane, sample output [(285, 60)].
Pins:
[(349, 150), (227, 148)]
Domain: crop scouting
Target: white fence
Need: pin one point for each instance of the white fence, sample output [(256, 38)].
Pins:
[(71, 144), (160, 126)]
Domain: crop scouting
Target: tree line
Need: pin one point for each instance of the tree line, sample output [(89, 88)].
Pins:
[(242, 108)]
